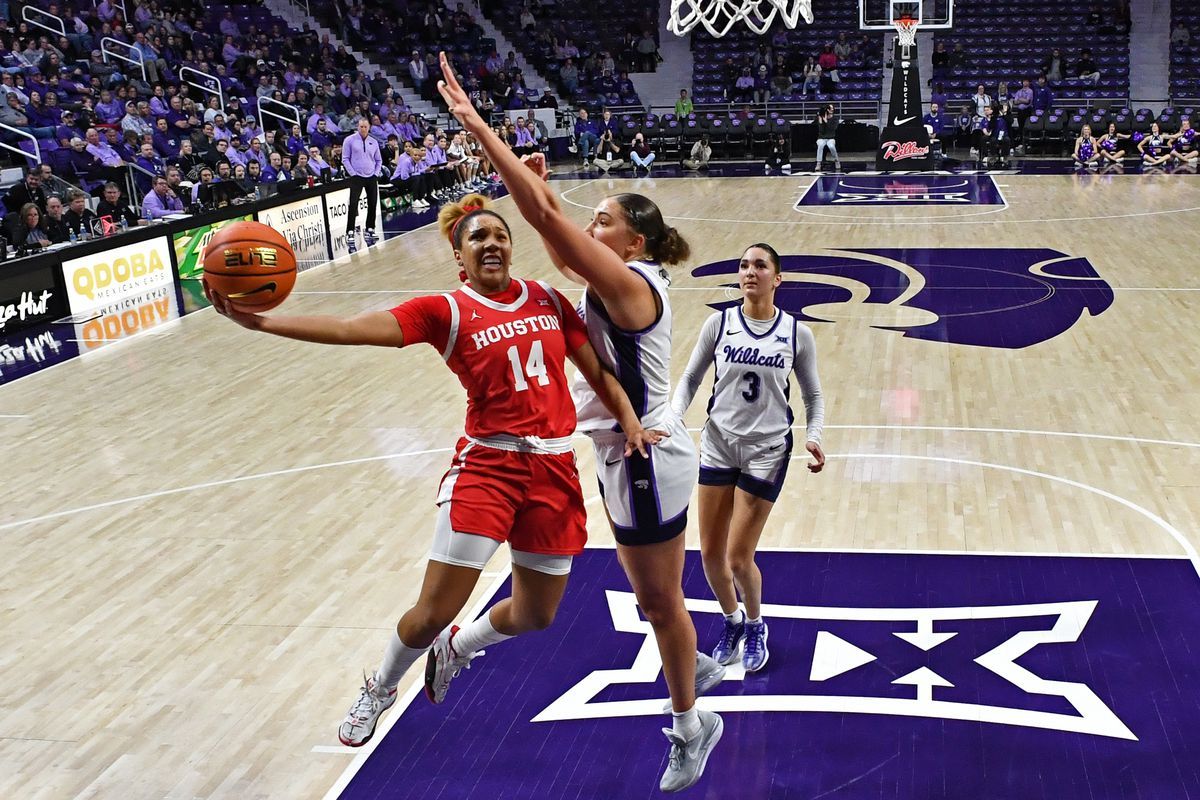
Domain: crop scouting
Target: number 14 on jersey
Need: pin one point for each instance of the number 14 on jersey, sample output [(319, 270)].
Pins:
[(535, 366)]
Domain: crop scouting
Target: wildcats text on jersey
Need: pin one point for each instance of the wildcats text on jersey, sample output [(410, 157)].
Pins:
[(752, 356), (518, 327)]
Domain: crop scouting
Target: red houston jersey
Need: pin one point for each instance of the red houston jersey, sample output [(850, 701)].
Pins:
[(507, 350)]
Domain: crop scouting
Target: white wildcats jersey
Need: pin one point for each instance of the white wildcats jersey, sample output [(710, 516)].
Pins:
[(750, 389), (641, 360)]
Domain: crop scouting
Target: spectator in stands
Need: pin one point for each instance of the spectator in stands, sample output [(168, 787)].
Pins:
[(1086, 69), (941, 62), (137, 118), (1022, 100), (418, 72), (647, 50), (150, 161), (1087, 150), (684, 105), (641, 152), (56, 229), (586, 136), (1043, 97), (524, 143), (219, 154), (316, 161), (1180, 35), (701, 151), (27, 191), (13, 115), (254, 153), (408, 181), (30, 231), (827, 124), (762, 84), (812, 76), (743, 87), (993, 138), (569, 76), (114, 206), (78, 215), (187, 160), (828, 62), (1054, 67), (981, 100), (959, 62), (111, 163), (160, 201)]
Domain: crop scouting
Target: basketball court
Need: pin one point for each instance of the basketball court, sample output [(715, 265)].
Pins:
[(991, 591)]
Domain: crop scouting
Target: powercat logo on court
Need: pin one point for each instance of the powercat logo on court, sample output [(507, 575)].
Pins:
[(986, 297)]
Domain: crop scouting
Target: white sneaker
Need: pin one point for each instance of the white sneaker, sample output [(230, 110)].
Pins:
[(442, 665), (359, 725), (685, 763), (419, 203)]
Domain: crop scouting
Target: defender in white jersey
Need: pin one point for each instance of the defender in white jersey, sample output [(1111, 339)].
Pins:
[(628, 315), (746, 444)]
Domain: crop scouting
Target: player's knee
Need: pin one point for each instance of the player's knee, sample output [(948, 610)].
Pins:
[(426, 622), (741, 564), (539, 619), (660, 608)]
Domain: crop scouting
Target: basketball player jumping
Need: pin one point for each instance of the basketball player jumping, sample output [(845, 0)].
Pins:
[(513, 477), (746, 444), (628, 317)]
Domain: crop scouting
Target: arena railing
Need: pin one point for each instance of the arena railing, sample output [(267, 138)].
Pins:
[(957, 103), (207, 87), (287, 113), (135, 56), (867, 111), (26, 17), (131, 187), (36, 155)]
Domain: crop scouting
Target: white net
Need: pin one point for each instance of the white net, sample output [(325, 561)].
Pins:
[(719, 16), (906, 32)]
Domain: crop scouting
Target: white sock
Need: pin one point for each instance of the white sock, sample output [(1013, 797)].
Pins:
[(756, 621), (396, 660), (477, 635), (736, 618), (686, 723)]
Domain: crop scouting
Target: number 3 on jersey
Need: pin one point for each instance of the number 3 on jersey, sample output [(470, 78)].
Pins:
[(754, 386), (535, 366)]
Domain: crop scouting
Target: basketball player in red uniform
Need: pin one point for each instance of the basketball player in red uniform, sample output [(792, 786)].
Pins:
[(513, 477)]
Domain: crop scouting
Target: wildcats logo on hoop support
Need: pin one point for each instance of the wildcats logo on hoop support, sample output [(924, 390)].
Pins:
[(904, 137)]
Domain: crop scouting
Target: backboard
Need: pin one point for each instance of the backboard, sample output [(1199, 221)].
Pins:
[(879, 15)]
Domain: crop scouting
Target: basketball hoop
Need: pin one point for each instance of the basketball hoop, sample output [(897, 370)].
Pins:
[(719, 16), (906, 32)]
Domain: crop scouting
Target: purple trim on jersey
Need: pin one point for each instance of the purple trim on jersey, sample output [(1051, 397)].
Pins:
[(718, 476), (769, 490), (661, 304), (746, 327)]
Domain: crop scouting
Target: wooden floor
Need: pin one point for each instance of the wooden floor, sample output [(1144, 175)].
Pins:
[(207, 534)]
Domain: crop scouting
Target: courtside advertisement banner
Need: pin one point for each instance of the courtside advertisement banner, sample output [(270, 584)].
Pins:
[(101, 279), (337, 207), (303, 224), (189, 247), (28, 298), (127, 317)]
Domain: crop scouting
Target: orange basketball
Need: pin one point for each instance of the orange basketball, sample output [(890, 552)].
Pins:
[(251, 264)]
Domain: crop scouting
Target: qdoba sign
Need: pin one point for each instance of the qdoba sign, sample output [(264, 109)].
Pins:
[(104, 278)]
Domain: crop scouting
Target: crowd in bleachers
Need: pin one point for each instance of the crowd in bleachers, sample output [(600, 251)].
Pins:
[(92, 119), (586, 50)]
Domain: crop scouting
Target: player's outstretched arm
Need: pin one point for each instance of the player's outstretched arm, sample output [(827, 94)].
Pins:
[(610, 392), (373, 327), (603, 269)]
